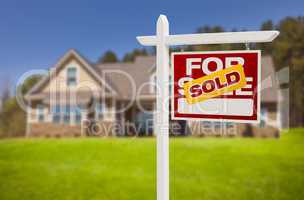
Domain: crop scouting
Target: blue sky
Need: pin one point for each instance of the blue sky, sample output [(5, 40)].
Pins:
[(35, 33)]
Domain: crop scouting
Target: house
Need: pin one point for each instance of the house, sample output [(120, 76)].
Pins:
[(80, 98)]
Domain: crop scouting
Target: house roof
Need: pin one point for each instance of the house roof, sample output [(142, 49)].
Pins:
[(125, 76)]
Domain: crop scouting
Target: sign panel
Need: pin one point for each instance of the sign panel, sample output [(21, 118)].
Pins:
[(216, 85)]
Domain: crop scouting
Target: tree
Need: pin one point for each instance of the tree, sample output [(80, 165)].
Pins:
[(12, 117), (267, 26), (213, 47), (130, 57), (5, 92), (5, 95), (266, 47), (108, 57), (210, 29), (288, 51), (29, 83)]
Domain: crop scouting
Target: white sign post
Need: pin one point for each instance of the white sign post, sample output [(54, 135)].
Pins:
[(162, 41)]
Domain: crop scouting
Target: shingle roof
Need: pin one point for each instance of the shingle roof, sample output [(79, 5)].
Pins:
[(139, 71)]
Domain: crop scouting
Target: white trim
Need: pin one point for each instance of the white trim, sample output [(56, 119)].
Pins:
[(259, 86)]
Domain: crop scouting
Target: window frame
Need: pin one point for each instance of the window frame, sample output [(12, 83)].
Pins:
[(263, 117), (66, 114), (99, 113), (40, 113), (56, 114), (77, 115), (71, 78)]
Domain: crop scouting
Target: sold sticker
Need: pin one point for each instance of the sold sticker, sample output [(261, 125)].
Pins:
[(215, 84)]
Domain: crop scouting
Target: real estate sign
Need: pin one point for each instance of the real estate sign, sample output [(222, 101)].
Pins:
[(216, 85), (206, 85)]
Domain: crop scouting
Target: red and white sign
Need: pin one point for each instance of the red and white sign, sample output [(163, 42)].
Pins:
[(216, 85)]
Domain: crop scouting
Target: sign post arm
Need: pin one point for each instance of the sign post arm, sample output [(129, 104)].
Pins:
[(213, 38), (162, 105)]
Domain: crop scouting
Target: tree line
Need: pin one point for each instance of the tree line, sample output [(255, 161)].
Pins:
[(111, 57), (287, 51)]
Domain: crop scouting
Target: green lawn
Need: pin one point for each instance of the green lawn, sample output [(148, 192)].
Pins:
[(124, 168)]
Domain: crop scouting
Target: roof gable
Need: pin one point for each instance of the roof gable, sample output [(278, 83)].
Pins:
[(70, 55)]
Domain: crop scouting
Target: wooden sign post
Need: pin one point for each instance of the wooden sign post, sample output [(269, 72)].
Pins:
[(162, 41)]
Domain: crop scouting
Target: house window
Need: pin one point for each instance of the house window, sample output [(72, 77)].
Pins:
[(99, 111), (71, 76), (67, 114), (56, 114), (40, 109), (263, 117), (77, 115)]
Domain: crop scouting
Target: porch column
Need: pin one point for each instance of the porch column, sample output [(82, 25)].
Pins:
[(28, 118), (84, 122)]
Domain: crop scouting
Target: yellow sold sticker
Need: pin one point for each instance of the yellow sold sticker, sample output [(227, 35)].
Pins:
[(215, 84)]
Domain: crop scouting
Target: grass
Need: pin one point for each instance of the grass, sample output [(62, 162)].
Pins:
[(124, 168)]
